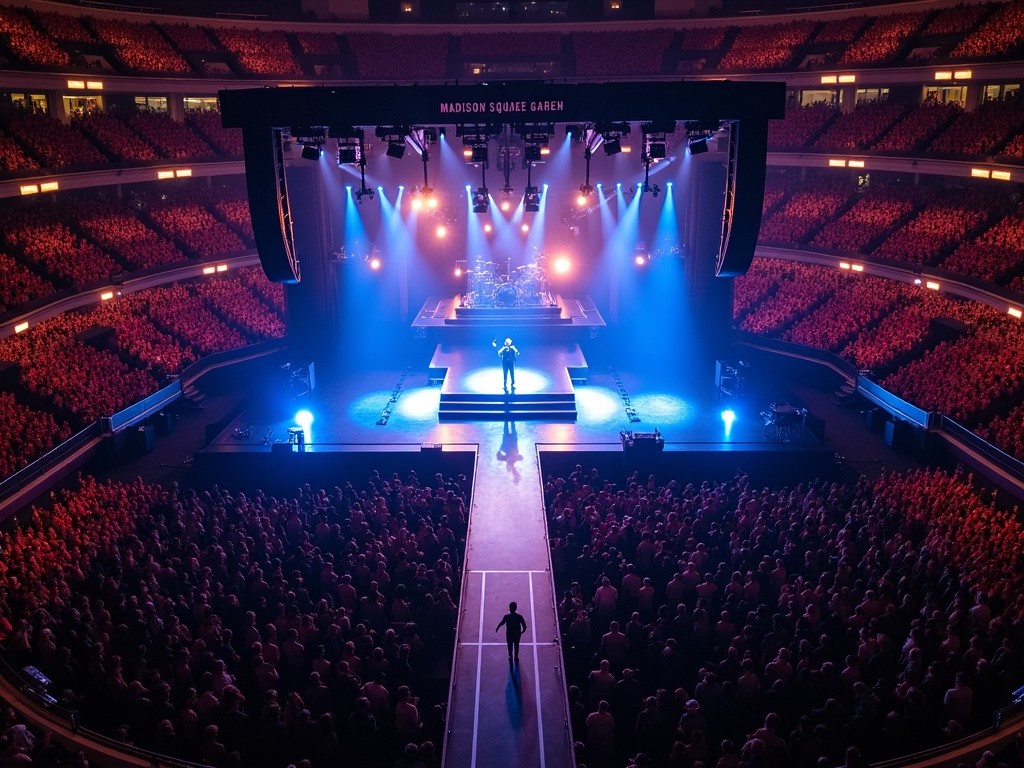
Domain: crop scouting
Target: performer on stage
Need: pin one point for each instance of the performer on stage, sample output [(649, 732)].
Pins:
[(508, 354)]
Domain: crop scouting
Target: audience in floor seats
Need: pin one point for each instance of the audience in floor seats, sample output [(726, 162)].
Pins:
[(238, 627), (260, 52), (982, 130), (51, 142), (423, 56), (19, 284), (780, 626), (140, 46), (114, 136), (766, 46), (172, 139), (28, 43), (882, 40), (1003, 31)]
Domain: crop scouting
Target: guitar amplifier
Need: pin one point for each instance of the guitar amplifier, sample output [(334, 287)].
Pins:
[(642, 441)]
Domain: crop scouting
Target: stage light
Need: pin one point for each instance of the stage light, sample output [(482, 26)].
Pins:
[(640, 260), (304, 419), (562, 265), (481, 200), (479, 154), (458, 271), (310, 152), (347, 154), (698, 146), (656, 150), (375, 263), (531, 200), (488, 228), (524, 228), (728, 417), (441, 231), (416, 203), (396, 149), (612, 146), (531, 153), (506, 206)]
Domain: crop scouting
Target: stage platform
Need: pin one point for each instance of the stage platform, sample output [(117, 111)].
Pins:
[(568, 311), (471, 383)]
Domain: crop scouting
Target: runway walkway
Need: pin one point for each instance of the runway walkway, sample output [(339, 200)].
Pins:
[(502, 714)]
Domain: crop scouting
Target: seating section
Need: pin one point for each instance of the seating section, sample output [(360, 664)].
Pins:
[(51, 142), (227, 142), (996, 255), (883, 38), (140, 46), (20, 284), (41, 238), (806, 210), (704, 38), (65, 28), (423, 57), (791, 298), (872, 217), (318, 43), (29, 43), (323, 659), (1000, 34), (28, 434), (721, 622), (768, 46), (117, 228), (958, 20), (861, 128), (982, 130), (190, 38), (13, 158), (621, 53), (171, 139), (842, 316), (194, 228), (260, 52), (114, 136), (916, 129), (799, 126), (843, 30)]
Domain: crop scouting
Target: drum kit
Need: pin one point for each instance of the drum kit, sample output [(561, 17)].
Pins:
[(488, 285)]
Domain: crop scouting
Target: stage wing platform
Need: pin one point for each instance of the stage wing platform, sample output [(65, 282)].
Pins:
[(564, 311), (471, 383)]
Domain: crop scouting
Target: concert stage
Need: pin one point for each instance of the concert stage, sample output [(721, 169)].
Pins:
[(453, 311)]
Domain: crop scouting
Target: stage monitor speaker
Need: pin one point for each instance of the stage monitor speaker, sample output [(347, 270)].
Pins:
[(899, 435), (431, 447), (142, 440)]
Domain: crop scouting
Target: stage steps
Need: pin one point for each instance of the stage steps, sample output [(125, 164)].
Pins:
[(512, 407)]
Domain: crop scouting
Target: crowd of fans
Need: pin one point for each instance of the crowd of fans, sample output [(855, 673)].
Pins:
[(318, 43), (243, 628), (766, 46), (843, 30), (227, 142), (983, 129), (195, 228), (720, 622), (51, 142), (871, 218), (800, 125), (861, 128), (881, 40), (111, 133), (511, 44), (13, 157), (174, 140), (20, 284), (791, 297), (140, 46), (810, 207), (29, 43), (916, 129), (260, 52), (995, 254), (189, 38), (115, 227), (1001, 33), (841, 317), (27, 434)]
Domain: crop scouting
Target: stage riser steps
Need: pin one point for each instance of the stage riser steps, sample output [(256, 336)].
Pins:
[(469, 398), (485, 406)]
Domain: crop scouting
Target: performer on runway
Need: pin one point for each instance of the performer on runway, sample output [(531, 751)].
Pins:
[(515, 626), (508, 354)]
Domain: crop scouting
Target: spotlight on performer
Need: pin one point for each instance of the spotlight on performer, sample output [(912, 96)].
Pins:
[(728, 417), (562, 265)]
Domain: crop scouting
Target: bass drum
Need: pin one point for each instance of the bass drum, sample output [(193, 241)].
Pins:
[(506, 295)]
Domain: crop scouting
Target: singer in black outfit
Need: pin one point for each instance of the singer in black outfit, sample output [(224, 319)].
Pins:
[(508, 354), (515, 626)]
